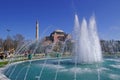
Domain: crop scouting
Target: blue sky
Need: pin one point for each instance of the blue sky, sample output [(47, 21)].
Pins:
[(20, 16)]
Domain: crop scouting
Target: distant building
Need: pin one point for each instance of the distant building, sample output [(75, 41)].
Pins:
[(55, 41), (56, 36)]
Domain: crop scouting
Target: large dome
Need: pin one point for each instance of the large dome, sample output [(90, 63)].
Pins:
[(59, 30)]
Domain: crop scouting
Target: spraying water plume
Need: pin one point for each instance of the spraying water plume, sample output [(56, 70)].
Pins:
[(87, 47)]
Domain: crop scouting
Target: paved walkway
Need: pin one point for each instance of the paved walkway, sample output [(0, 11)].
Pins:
[(2, 76)]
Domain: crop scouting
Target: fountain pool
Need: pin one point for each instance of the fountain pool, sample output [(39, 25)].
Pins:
[(109, 69)]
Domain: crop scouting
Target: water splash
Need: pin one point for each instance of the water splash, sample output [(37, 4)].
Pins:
[(95, 43), (76, 46), (87, 47)]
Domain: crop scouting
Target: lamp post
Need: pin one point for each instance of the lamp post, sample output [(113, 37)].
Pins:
[(8, 30)]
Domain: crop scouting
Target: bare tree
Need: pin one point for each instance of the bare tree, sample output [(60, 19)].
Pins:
[(8, 43), (1, 44), (18, 40)]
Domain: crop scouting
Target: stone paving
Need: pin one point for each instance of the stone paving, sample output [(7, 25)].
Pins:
[(2, 76)]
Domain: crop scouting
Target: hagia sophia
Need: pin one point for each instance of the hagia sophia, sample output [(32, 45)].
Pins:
[(55, 36)]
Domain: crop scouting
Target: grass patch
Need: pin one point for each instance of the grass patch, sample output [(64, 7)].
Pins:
[(2, 64)]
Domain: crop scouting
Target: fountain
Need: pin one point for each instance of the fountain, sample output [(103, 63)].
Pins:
[(87, 45), (85, 63)]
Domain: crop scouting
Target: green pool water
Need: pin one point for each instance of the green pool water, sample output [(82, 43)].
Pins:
[(109, 69)]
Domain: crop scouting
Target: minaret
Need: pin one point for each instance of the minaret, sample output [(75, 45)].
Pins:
[(37, 30)]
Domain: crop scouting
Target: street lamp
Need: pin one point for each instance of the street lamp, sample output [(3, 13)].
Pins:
[(8, 30)]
